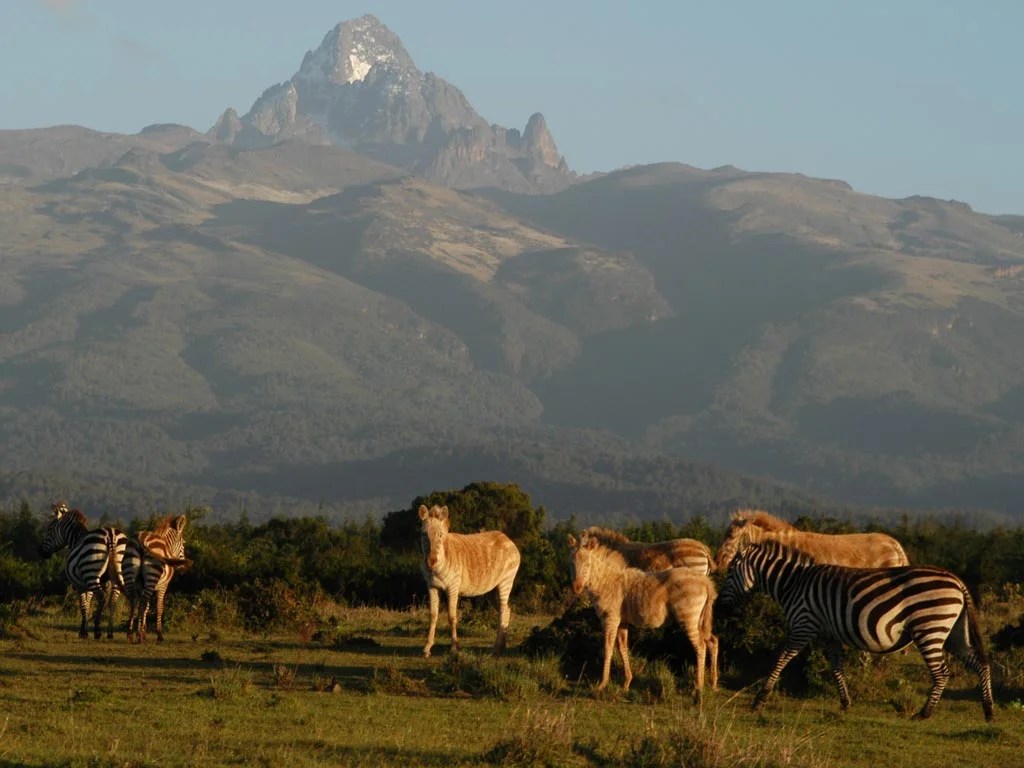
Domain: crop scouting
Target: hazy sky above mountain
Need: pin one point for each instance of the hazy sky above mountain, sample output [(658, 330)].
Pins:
[(914, 97)]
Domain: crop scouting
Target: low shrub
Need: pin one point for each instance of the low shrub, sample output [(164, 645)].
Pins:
[(543, 740)]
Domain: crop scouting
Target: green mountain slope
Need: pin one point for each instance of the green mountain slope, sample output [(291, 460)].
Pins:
[(299, 325)]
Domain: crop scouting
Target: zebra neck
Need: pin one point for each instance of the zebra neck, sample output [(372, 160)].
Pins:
[(611, 584), (779, 577), (75, 533)]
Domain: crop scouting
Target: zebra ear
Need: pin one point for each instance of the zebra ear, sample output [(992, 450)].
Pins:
[(443, 513), (423, 512), (179, 523), (588, 542), (571, 540)]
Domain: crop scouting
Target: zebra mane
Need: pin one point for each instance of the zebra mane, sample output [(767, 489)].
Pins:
[(163, 525), (779, 551), (761, 519), (606, 535), (610, 554), (80, 517)]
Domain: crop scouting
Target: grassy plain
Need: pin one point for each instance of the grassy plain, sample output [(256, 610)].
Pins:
[(361, 694)]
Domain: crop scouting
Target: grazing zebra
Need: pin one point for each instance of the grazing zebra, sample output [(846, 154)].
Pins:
[(150, 561), (464, 564), (880, 610), (93, 564), (626, 596), (855, 550), (659, 555)]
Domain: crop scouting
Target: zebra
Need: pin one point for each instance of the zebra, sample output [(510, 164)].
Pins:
[(150, 561), (880, 610), (94, 561)]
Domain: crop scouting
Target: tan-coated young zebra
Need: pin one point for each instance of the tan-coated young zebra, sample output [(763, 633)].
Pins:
[(658, 555), (856, 550), (150, 561), (465, 564), (93, 564), (879, 610), (626, 596)]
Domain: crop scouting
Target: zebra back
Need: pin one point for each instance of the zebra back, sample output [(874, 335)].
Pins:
[(93, 555), (152, 557)]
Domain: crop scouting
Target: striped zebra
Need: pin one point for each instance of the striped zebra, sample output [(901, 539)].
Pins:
[(659, 555), (150, 561), (93, 564), (880, 610), (464, 564)]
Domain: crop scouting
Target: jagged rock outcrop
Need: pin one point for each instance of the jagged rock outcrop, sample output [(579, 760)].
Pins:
[(360, 89)]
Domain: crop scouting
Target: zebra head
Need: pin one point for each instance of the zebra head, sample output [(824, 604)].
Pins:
[(174, 537), (581, 561), (731, 543), (59, 531), (432, 532), (167, 542), (741, 577)]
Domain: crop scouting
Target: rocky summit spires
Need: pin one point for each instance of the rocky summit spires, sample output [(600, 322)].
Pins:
[(360, 89)]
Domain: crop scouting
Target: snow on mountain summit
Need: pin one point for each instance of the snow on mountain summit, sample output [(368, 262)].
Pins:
[(350, 50)]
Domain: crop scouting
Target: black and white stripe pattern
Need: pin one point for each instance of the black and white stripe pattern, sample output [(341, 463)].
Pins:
[(93, 564), (149, 564), (880, 610)]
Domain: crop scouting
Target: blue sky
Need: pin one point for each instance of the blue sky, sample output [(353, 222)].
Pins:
[(897, 98)]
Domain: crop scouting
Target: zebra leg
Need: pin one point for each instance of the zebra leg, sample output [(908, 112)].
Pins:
[(835, 658), (789, 653), (84, 601), (623, 639), (505, 617), (712, 643), (158, 598), (144, 602), (133, 618), (453, 615), (959, 643), (115, 595), (611, 629), (97, 620), (931, 650), (435, 602), (701, 650)]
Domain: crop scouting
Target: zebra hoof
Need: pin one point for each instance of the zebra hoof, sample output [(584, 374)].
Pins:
[(924, 714)]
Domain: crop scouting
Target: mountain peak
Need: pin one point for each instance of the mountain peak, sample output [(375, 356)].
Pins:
[(538, 141), (350, 50), (360, 89)]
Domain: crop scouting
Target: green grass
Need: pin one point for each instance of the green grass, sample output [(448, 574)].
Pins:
[(371, 699)]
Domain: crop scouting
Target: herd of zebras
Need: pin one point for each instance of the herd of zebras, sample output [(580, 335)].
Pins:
[(856, 590), (105, 560)]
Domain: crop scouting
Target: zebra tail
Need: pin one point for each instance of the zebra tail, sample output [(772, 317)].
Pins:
[(707, 612), (114, 563), (973, 631)]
